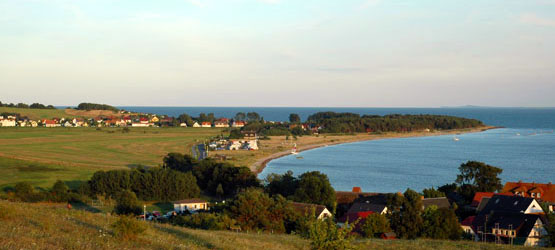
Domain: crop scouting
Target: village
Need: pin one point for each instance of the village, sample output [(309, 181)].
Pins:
[(515, 216)]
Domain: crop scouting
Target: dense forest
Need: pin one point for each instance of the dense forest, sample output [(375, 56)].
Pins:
[(27, 106), (332, 122), (95, 106)]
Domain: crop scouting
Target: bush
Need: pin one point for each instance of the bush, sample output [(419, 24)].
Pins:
[(206, 221), (127, 228), (324, 234), (127, 203), (374, 225)]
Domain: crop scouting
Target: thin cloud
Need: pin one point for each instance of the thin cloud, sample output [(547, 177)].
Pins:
[(533, 19)]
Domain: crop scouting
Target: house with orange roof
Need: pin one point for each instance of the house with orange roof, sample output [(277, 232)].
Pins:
[(539, 191), (206, 125)]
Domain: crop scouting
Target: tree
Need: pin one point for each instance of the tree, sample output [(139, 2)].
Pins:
[(284, 185), (240, 116), (220, 190), (294, 118), (441, 224), (480, 175), (374, 225), (23, 190), (185, 118), (324, 235), (406, 219), (253, 117), (60, 191), (432, 193), (551, 229), (127, 203), (314, 187), (179, 162), (255, 210)]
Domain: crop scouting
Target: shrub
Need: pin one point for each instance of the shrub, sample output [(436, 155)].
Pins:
[(324, 234), (374, 225), (127, 203), (127, 228)]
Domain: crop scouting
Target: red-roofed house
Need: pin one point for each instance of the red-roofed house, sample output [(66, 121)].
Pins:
[(206, 125), (238, 124), (539, 191), (467, 228), (50, 123)]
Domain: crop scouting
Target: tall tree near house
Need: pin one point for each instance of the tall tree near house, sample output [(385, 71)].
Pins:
[(294, 118), (253, 117), (406, 219), (374, 225), (186, 119), (240, 116), (482, 176), (314, 187), (441, 223)]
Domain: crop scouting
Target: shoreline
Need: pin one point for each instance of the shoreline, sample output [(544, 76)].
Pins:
[(261, 164)]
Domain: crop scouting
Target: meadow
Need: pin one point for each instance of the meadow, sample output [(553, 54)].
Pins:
[(36, 114), (52, 226), (42, 155)]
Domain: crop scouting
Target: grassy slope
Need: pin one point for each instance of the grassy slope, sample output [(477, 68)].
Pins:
[(46, 154), (51, 226), (35, 114)]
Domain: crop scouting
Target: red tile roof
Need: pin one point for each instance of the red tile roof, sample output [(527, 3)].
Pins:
[(468, 221), (546, 191), (480, 195)]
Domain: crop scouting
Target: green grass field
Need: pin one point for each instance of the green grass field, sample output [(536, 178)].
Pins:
[(52, 226), (43, 155), (36, 113)]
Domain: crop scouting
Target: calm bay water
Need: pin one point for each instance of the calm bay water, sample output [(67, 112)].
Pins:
[(524, 148)]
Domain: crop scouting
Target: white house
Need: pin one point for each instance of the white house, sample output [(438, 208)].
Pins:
[(196, 125), (7, 122), (206, 124), (191, 205), (183, 124), (320, 211), (235, 145)]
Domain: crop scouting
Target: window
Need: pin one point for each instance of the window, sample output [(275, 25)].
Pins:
[(533, 195), (538, 195), (516, 202)]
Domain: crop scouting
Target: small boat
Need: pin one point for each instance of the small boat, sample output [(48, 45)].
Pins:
[(455, 139), (517, 134), (294, 149), (300, 157)]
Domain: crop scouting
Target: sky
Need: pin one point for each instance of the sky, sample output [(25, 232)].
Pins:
[(302, 53)]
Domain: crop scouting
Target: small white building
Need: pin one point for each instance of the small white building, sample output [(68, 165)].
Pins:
[(196, 125), (191, 205), (206, 124), (184, 125), (7, 122)]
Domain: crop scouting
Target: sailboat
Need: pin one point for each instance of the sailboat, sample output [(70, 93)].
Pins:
[(294, 149), (455, 138)]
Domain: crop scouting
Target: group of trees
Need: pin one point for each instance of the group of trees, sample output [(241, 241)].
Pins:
[(26, 106), (215, 178), (409, 221), (350, 123), (24, 191), (96, 106), (148, 184), (310, 187)]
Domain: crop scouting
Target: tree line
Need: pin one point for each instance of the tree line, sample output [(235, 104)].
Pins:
[(332, 122), (27, 106), (95, 106)]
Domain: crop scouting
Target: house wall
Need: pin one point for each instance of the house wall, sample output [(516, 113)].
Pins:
[(534, 208), (536, 236), (189, 207)]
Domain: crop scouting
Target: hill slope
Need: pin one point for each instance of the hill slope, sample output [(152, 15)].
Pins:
[(51, 226), (35, 114)]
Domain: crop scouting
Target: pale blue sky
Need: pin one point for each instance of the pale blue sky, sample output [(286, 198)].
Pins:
[(366, 53)]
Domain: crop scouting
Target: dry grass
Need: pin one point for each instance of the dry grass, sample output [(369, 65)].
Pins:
[(36, 114), (52, 226)]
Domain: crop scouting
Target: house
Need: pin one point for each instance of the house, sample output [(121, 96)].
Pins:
[(511, 220), (360, 207), (320, 211), (191, 205), (8, 122), (68, 124), (183, 124), (33, 124), (140, 124), (238, 124), (440, 202), (154, 119), (196, 125), (539, 191), (481, 199), (127, 119), (234, 145), (206, 125), (352, 218), (467, 228), (50, 123), (221, 124), (144, 120), (249, 134), (251, 145)]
